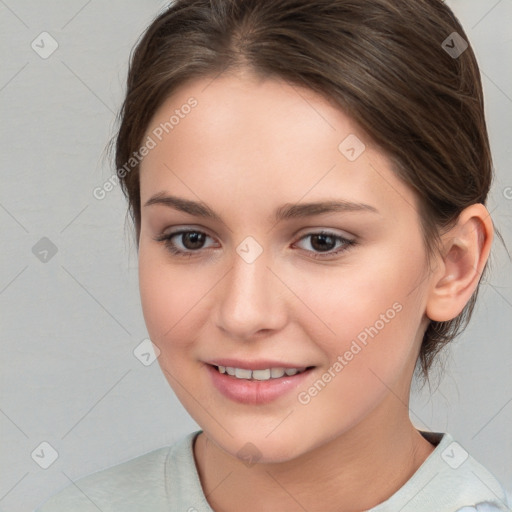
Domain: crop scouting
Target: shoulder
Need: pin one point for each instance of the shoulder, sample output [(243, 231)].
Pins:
[(481, 507), (449, 480), (113, 487), (138, 484), (483, 490)]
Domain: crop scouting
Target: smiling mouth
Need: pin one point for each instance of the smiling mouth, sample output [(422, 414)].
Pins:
[(260, 375)]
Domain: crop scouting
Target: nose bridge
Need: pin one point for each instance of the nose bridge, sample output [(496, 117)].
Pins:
[(248, 296)]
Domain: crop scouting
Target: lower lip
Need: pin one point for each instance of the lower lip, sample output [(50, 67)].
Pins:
[(254, 392)]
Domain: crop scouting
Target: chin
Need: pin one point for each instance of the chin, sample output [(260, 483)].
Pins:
[(255, 447)]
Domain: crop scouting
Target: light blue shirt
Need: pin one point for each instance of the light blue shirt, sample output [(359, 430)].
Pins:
[(166, 480)]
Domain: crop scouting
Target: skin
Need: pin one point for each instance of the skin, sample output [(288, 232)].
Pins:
[(249, 146)]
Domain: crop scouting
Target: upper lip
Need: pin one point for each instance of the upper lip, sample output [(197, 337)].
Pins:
[(260, 364)]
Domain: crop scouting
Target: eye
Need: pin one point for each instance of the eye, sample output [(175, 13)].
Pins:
[(191, 241), (325, 242)]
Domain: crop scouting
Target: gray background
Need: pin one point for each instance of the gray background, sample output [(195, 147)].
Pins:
[(69, 325)]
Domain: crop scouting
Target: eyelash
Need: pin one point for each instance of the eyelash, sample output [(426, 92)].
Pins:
[(171, 247)]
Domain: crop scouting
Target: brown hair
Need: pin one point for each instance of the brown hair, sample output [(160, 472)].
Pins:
[(385, 63)]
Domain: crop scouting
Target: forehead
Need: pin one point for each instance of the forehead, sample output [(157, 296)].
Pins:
[(261, 138), (267, 115)]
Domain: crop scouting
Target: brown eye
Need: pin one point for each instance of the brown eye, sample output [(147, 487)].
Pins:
[(184, 242), (192, 239), (323, 244)]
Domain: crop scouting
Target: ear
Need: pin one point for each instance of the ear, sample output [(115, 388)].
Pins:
[(464, 253)]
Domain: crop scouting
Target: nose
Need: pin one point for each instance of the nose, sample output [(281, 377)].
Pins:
[(250, 299)]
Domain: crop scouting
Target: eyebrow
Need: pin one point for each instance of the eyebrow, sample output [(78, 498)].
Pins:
[(285, 212)]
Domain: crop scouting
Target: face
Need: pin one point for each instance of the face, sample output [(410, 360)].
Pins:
[(264, 283)]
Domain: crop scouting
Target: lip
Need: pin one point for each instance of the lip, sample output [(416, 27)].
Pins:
[(255, 392)]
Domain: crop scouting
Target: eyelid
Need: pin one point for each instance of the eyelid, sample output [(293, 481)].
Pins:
[(316, 230)]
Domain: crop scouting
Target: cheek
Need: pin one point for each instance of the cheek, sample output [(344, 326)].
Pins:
[(170, 296), (373, 313), (371, 352)]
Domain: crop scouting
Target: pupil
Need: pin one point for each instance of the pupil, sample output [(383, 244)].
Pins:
[(322, 238), (194, 237)]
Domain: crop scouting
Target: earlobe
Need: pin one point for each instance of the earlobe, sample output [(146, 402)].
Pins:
[(465, 251)]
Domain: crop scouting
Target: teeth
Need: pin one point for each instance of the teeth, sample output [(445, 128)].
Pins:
[(275, 373), (241, 373), (261, 374), (267, 374)]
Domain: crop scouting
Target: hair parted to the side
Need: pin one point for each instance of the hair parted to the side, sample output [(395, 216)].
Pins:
[(380, 61)]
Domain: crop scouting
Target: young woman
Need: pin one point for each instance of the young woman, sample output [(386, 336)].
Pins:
[(307, 181)]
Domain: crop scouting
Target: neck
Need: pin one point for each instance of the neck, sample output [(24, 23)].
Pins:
[(355, 471)]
